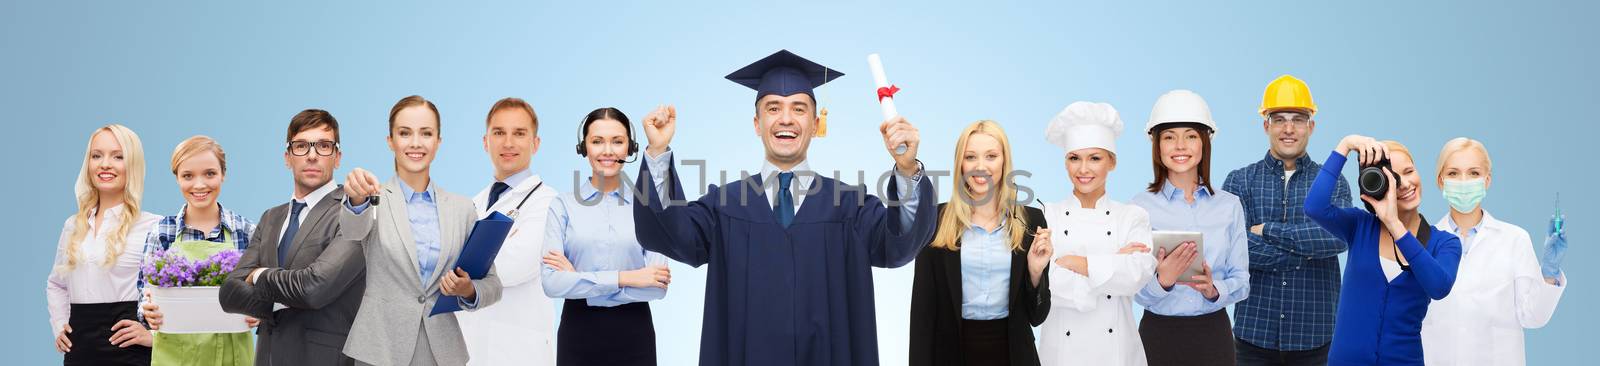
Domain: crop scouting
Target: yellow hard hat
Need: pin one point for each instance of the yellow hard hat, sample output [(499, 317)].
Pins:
[(1287, 92)]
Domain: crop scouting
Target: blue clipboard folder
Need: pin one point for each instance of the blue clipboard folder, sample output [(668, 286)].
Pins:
[(477, 255)]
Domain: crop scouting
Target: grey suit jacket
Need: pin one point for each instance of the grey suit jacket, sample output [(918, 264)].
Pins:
[(397, 303), (321, 284)]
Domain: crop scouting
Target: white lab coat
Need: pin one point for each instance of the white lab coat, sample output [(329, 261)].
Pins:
[(519, 330), (1499, 291), (1091, 317)]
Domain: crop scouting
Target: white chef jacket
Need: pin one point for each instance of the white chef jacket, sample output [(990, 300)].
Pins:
[(1091, 317), (519, 330), (1499, 291)]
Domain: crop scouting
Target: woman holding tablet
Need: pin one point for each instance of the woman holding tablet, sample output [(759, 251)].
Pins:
[(1185, 319)]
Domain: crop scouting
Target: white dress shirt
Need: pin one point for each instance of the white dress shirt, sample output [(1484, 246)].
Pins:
[(90, 281)]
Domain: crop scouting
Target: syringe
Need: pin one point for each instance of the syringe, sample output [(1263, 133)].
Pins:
[(1559, 219)]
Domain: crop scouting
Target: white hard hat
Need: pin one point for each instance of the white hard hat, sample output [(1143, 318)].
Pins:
[(1084, 125), (1180, 106)]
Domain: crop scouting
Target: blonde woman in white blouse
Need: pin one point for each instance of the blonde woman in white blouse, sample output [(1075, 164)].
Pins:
[(93, 289)]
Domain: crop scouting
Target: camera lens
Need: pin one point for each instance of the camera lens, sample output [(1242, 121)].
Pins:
[(1374, 181)]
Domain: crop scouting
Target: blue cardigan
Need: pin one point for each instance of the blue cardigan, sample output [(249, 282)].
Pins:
[(1380, 322)]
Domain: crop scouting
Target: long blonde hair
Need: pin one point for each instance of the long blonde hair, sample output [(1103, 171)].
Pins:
[(957, 214), (89, 197)]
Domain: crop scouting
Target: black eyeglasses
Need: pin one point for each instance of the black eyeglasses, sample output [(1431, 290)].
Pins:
[(303, 148)]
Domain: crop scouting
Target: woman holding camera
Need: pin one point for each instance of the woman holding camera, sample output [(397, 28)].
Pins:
[(1398, 262)]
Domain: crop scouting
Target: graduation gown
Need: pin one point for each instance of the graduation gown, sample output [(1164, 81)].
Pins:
[(780, 296)]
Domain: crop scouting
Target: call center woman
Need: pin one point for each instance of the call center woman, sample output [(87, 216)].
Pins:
[(594, 261)]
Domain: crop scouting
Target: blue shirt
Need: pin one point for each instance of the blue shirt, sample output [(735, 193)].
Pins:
[(595, 233), (1294, 264), (424, 214), (1380, 320), (985, 273), (1220, 221)]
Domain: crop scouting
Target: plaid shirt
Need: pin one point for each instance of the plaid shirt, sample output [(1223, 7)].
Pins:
[(171, 230), (1294, 266)]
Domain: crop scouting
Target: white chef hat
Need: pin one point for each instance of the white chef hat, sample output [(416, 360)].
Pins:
[(1084, 125)]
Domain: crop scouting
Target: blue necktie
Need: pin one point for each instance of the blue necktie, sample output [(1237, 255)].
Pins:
[(288, 234), (785, 199), (498, 189)]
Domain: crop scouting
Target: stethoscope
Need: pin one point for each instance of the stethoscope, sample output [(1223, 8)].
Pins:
[(518, 209)]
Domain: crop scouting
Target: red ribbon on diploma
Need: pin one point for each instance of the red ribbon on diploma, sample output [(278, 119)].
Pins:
[(887, 92)]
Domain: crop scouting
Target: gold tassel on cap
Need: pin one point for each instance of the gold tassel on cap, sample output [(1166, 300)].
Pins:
[(822, 123)]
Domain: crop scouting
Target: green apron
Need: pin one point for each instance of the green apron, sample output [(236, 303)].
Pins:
[(220, 349)]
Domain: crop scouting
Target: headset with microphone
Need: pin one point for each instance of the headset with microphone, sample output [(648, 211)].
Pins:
[(614, 114)]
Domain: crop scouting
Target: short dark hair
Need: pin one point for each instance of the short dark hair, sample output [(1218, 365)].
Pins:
[(311, 119), (513, 103)]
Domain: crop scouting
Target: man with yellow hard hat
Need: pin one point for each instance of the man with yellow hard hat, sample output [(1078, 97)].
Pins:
[(1294, 264)]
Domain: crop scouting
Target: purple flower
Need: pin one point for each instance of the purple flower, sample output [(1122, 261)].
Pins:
[(170, 269)]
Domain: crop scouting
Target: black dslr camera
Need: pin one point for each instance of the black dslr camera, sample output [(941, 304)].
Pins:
[(1372, 181)]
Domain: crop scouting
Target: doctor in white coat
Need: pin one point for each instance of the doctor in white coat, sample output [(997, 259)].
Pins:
[(520, 330), (1103, 245), (1501, 288)]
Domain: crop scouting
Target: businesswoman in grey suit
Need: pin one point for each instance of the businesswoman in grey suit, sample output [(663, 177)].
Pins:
[(414, 232)]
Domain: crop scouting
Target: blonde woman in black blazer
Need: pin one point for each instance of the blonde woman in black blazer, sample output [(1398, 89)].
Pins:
[(975, 303)]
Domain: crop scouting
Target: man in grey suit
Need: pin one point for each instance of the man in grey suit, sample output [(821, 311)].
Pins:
[(298, 276)]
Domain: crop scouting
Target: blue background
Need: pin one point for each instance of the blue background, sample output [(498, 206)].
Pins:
[(1517, 75)]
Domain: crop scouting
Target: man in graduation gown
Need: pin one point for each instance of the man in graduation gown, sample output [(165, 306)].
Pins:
[(790, 252)]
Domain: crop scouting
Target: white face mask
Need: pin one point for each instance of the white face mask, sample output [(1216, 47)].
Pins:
[(1465, 195)]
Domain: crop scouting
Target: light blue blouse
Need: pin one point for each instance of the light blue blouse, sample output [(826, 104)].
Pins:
[(596, 234), (1219, 217), (985, 273)]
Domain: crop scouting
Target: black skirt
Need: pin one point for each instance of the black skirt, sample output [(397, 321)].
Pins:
[(984, 342), (91, 334), (1187, 340), (593, 335)]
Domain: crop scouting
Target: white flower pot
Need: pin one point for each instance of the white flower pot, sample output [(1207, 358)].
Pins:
[(195, 310)]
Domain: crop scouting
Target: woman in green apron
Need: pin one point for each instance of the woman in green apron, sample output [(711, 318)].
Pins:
[(200, 229)]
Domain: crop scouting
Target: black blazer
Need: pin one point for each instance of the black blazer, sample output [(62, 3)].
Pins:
[(936, 303)]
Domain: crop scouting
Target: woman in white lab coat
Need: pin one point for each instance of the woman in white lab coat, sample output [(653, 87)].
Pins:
[(1500, 289), (1103, 256)]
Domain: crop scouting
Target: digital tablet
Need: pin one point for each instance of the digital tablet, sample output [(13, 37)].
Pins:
[(1169, 240)]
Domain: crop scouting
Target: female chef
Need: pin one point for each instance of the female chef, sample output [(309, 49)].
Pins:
[(1104, 259)]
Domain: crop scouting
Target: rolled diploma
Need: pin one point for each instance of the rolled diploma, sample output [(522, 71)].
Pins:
[(887, 103)]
